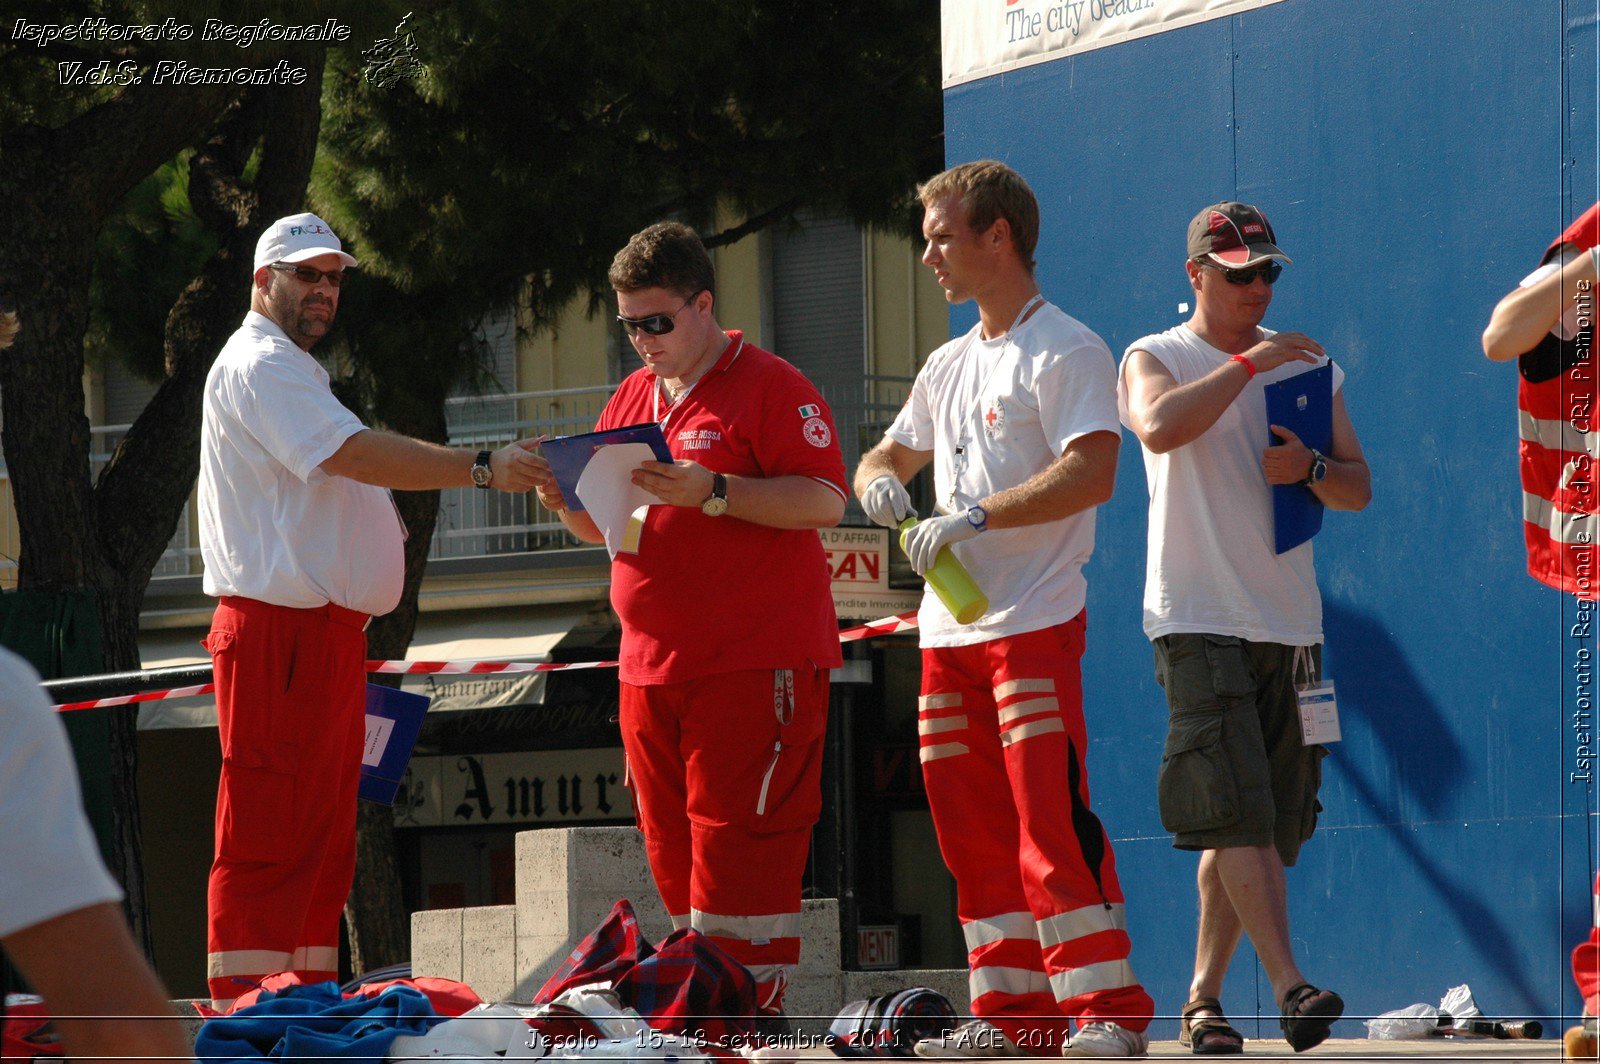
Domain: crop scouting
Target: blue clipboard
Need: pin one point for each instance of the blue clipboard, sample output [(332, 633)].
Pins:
[(1303, 404), (394, 718), (568, 455)]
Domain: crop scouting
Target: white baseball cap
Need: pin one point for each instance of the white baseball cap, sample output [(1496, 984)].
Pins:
[(297, 238)]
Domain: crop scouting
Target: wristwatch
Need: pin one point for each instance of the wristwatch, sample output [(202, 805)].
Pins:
[(716, 503), (481, 473), (978, 517), (1319, 468)]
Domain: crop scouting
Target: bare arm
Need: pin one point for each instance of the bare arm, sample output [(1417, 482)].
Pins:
[(406, 464), (85, 965), (1522, 318), (1348, 483), (889, 458), (777, 502), (1166, 415), (1082, 477)]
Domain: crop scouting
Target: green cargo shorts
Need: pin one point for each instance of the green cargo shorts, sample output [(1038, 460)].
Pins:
[(1234, 771)]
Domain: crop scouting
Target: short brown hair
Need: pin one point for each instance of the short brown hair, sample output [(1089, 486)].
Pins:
[(990, 190), (666, 255)]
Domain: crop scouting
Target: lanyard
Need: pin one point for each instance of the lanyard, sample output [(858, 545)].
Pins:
[(958, 464), (655, 393)]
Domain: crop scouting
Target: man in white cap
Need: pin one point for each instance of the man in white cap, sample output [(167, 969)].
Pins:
[(1234, 623), (302, 546)]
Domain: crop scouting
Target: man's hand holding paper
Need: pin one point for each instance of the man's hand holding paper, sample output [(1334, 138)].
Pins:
[(680, 483)]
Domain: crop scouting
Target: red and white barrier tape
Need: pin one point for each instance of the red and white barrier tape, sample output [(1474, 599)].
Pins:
[(903, 622), (142, 696)]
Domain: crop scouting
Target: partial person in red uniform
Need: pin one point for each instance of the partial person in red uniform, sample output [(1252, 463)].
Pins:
[(728, 629), (302, 546), (1019, 418), (1547, 324)]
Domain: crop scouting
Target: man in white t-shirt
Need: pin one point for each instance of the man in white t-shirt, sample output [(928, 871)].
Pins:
[(1235, 624), (302, 546), (1019, 419), (61, 919)]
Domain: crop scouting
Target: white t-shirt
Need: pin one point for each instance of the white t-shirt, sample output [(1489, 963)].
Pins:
[(273, 526), (1212, 565), (49, 864), (1012, 406)]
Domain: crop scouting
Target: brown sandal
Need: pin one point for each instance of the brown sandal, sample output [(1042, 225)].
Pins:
[(1307, 1015), (1208, 1035)]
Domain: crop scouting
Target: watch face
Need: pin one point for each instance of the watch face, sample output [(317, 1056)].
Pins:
[(481, 475), (714, 507)]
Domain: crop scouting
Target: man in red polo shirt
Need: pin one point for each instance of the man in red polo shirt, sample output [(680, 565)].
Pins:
[(728, 629)]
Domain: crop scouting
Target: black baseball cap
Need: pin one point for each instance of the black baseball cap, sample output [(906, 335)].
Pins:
[(1233, 235)]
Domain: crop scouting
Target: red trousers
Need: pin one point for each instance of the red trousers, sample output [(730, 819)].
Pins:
[(1002, 739), (1586, 961), (726, 778), (291, 697)]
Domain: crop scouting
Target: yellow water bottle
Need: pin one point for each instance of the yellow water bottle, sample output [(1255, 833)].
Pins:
[(950, 580)]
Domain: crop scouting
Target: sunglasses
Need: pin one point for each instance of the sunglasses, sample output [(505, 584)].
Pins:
[(308, 275), (655, 324), (1268, 272)]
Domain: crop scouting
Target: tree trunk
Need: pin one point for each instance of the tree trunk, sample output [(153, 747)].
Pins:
[(57, 185)]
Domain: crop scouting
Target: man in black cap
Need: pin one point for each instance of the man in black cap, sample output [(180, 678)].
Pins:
[(1235, 625)]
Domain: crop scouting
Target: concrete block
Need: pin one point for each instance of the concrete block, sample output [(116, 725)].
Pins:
[(191, 1020), (819, 936), (541, 877), (489, 950), (612, 859), (951, 982), (812, 1001), (544, 912), (436, 943), (537, 957)]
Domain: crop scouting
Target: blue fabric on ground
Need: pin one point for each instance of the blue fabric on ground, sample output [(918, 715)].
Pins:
[(316, 1021)]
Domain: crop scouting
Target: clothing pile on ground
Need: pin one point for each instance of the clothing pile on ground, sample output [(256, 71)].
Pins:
[(615, 997)]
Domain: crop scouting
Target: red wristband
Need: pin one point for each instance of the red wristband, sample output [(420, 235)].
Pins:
[(1249, 367)]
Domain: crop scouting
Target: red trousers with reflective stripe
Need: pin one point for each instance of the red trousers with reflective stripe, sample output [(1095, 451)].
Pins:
[(1586, 961), (1002, 742), (726, 778), (291, 697)]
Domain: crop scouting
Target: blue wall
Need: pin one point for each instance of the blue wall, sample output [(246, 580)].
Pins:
[(1415, 160)]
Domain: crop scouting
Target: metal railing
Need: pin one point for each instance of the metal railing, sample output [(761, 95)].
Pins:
[(474, 523)]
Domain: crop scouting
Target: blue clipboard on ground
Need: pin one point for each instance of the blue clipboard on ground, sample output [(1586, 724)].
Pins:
[(1303, 404), (568, 455)]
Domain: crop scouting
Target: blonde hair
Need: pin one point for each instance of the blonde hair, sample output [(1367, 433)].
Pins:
[(10, 325), (990, 190)]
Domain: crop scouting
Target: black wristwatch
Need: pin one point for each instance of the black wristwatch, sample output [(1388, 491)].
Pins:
[(481, 473), (1319, 468), (716, 503)]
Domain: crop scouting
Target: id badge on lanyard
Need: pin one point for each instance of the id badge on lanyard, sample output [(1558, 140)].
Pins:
[(1319, 707)]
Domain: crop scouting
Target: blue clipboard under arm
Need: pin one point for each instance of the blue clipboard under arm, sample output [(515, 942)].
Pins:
[(568, 455), (1303, 404)]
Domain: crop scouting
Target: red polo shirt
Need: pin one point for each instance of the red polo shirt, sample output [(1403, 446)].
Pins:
[(716, 594)]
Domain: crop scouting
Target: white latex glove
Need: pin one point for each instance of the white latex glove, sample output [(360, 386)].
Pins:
[(886, 501), (928, 538)]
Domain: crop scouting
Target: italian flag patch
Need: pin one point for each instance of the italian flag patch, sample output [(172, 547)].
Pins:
[(810, 411)]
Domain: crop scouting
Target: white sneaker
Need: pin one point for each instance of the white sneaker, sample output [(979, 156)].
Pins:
[(978, 1038), (1105, 1039)]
